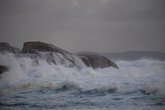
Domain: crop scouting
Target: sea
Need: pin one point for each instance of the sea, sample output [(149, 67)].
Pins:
[(137, 85)]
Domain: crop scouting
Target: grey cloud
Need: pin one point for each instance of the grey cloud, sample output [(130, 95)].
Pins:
[(82, 25)]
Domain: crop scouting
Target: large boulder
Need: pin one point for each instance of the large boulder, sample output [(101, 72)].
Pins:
[(5, 47), (96, 61), (52, 54), (59, 56), (30, 47)]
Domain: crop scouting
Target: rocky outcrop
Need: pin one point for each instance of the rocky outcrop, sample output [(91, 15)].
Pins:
[(55, 55), (5, 47), (30, 47), (96, 61), (52, 54)]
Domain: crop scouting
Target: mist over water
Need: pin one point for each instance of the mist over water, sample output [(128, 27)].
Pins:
[(136, 85)]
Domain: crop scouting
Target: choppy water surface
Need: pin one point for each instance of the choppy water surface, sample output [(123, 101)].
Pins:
[(138, 85)]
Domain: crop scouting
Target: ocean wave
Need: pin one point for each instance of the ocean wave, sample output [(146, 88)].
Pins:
[(143, 75)]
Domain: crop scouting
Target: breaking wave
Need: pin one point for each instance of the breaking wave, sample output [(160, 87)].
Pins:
[(143, 75)]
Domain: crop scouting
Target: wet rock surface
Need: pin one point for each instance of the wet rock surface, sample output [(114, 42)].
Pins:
[(55, 55), (5, 47), (96, 61)]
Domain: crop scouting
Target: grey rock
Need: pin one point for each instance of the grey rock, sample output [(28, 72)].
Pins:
[(32, 47), (5, 47), (52, 54), (96, 61)]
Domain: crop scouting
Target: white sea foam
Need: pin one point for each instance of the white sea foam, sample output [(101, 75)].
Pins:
[(144, 74)]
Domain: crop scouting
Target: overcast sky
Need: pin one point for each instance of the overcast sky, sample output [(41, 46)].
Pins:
[(85, 25)]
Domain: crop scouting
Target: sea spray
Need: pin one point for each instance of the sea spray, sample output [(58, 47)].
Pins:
[(143, 74), (38, 84)]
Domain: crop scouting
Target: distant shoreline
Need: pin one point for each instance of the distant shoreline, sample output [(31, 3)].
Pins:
[(135, 55)]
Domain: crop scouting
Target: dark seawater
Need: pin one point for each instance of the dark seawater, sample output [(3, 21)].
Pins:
[(136, 85)]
